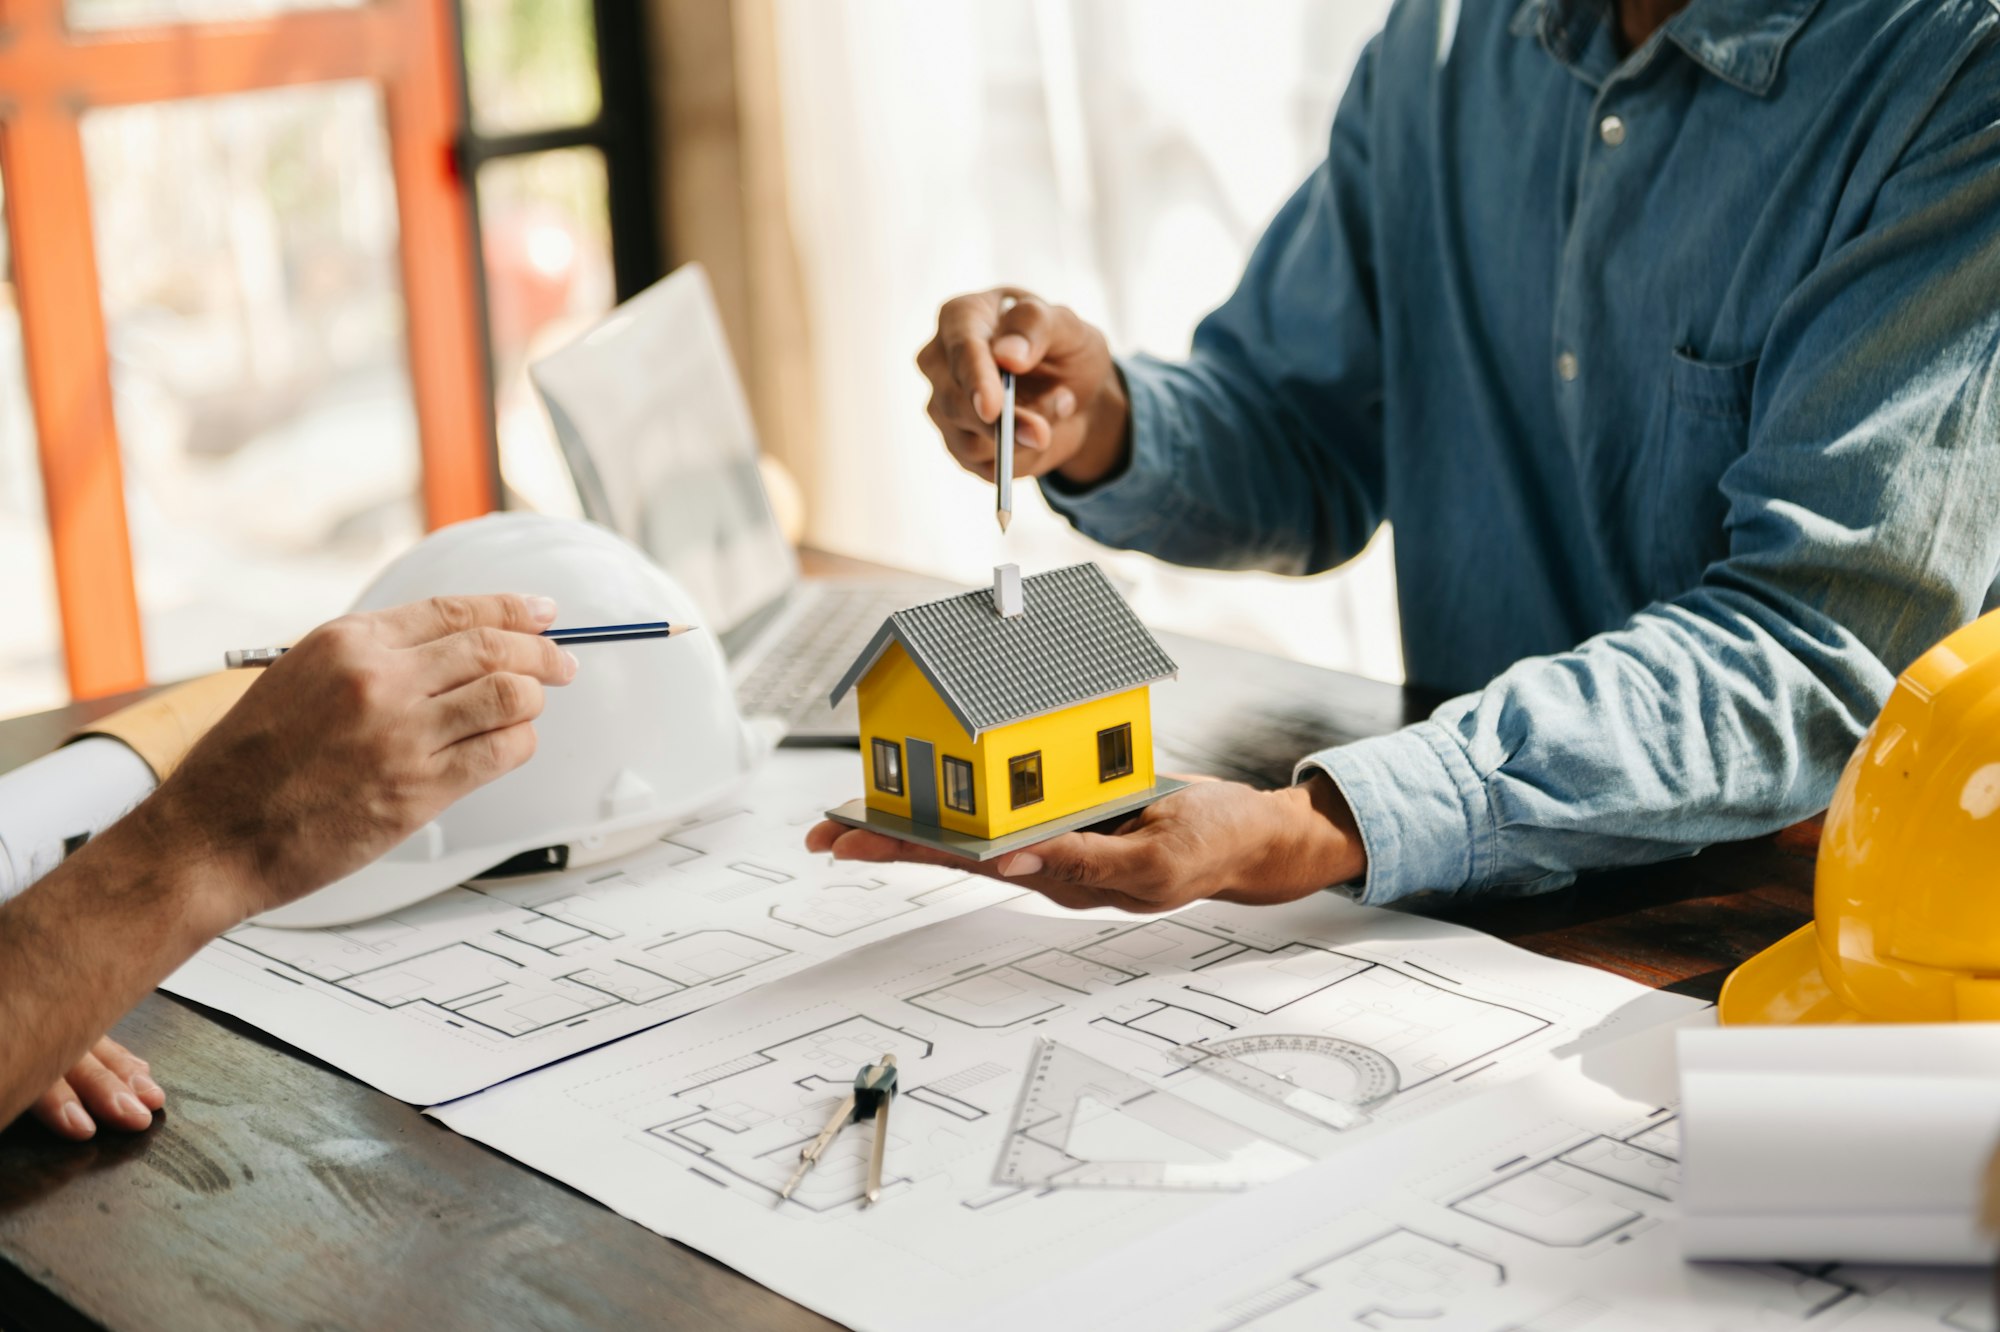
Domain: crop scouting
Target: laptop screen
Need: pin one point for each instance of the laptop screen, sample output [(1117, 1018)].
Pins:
[(658, 435)]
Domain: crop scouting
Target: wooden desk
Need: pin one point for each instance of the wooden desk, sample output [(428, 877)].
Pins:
[(276, 1192)]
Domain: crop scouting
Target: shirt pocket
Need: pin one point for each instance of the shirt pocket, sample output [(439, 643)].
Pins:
[(1705, 428)]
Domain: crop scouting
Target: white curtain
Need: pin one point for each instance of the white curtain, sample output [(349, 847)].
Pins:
[(1118, 156)]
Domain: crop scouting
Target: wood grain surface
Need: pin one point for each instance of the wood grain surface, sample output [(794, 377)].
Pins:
[(276, 1192)]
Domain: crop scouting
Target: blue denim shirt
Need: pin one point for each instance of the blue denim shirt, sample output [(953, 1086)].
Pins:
[(1677, 374)]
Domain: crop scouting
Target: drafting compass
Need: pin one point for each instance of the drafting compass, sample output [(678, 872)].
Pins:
[(874, 1088)]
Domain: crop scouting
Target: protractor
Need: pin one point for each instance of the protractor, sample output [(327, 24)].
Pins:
[(1327, 1065)]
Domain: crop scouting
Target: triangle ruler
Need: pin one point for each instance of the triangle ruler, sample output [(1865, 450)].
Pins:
[(1080, 1123)]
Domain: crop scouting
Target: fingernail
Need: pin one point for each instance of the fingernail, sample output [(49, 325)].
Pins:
[(146, 1087), (126, 1104), (76, 1121), (979, 404), (1025, 862), (1063, 403), (569, 664), (1012, 346), (543, 609)]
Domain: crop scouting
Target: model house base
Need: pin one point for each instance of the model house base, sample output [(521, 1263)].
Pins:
[(856, 814)]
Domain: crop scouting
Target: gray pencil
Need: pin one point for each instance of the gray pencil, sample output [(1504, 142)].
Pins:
[(1003, 462)]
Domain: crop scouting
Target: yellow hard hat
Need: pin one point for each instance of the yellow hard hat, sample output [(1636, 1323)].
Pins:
[(1906, 897)]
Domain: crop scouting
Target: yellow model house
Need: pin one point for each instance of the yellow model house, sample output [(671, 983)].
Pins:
[(1004, 712)]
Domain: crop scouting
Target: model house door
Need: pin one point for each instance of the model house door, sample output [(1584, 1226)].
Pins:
[(923, 780)]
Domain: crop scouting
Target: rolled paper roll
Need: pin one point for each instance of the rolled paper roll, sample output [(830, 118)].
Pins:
[(54, 805), (1838, 1143), (162, 729)]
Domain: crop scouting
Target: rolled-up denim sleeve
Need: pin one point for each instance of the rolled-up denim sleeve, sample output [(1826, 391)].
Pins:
[(1864, 525), (1263, 450)]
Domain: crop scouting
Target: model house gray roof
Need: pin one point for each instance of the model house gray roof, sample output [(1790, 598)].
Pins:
[(1076, 641)]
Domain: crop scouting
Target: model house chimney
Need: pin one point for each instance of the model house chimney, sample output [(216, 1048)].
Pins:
[(1007, 601)]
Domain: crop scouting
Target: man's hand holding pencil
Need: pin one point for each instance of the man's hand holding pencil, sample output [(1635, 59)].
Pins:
[(1070, 407)]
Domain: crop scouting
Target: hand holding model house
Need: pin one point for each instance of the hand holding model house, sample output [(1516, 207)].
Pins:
[(998, 723)]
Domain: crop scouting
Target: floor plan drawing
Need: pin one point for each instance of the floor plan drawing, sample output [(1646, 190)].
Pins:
[(1546, 1205), (1599, 1190), (1396, 1278), (1047, 1110), (730, 1119), (1080, 1123), (493, 978)]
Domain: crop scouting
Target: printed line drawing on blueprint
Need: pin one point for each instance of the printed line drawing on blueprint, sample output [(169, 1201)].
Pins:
[(493, 978), (1592, 1203), (693, 1129), (1543, 1206), (1216, 980)]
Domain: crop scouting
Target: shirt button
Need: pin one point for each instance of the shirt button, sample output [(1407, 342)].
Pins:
[(1611, 129), (1566, 367)]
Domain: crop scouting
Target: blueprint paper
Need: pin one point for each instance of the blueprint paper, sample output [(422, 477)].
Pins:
[(1849, 1142), (487, 981), (1543, 1206), (691, 1129)]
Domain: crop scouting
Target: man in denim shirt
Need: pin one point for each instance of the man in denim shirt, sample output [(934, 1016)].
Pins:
[(1668, 338)]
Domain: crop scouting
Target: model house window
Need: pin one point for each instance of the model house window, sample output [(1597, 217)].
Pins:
[(1114, 752), (958, 786), (888, 767), (1024, 778)]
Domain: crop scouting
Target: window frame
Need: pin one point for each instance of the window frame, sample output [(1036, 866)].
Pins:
[(961, 768), (1018, 765), (1124, 730), (879, 749), (622, 134), (408, 49)]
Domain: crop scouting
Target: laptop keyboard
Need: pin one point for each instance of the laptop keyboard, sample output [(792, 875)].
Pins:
[(792, 683)]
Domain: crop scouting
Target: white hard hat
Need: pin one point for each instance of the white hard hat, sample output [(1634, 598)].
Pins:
[(647, 731)]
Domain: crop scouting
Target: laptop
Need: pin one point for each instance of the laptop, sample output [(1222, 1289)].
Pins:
[(654, 425)]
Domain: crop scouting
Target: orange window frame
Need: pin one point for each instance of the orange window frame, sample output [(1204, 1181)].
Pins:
[(49, 76)]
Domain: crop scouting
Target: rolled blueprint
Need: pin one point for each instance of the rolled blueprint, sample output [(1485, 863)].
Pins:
[(1838, 1144), (52, 806)]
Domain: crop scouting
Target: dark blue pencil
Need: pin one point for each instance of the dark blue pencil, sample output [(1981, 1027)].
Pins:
[(238, 658)]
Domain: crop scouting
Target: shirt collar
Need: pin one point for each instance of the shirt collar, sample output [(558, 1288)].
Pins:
[(1739, 41)]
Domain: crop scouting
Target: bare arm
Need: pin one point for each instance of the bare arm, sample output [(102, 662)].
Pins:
[(350, 743), (83, 945)]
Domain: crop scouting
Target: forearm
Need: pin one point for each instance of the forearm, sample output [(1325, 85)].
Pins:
[(88, 941), (1715, 718), (1218, 471)]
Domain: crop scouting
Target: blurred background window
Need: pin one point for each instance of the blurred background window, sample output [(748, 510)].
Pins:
[(561, 156), (84, 15), (231, 254), (31, 663), (546, 243), (530, 64), (841, 168), (247, 256), (1118, 156), (261, 256)]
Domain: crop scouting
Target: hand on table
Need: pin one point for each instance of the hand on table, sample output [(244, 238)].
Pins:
[(108, 1086), (1069, 402), (1213, 839)]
